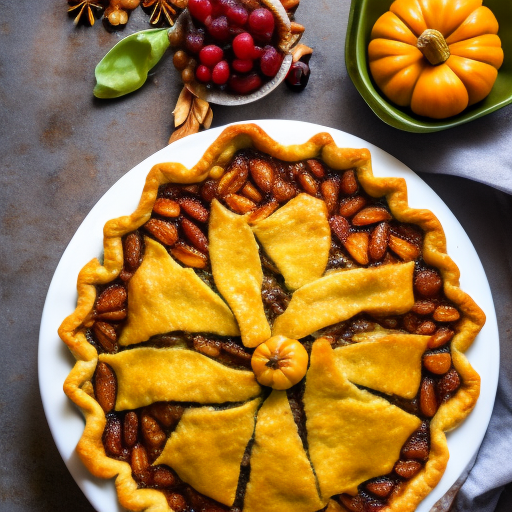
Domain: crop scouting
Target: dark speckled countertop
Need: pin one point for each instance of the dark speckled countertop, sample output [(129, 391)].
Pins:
[(61, 150)]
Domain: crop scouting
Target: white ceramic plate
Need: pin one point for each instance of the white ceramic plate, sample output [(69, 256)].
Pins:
[(55, 360)]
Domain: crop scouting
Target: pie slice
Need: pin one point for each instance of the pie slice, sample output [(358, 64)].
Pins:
[(273, 329)]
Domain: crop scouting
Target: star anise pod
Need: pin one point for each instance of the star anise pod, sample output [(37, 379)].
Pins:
[(162, 10), (85, 8)]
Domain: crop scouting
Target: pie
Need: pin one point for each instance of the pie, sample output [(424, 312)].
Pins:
[(274, 329)]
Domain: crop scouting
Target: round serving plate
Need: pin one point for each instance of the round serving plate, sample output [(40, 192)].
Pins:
[(55, 360)]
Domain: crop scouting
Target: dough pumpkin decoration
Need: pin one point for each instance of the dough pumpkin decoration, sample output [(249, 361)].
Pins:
[(435, 56), (230, 271)]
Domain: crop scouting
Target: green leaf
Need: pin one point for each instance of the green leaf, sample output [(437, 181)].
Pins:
[(125, 68)]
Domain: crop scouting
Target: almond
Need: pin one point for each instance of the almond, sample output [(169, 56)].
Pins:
[(130, 428), (330, 190), (207, 347), (445, 313), (111, 299), (423, 307), (428, 399), (177, 503), (166, 207), (371, 215), (352, 503), (240, 204), (411, 322), (407, 468), (235, 177), (189, 256), (112, 316), (403, 249), (283, 191), (418, 445), (316, 168), (140, 463), (106, 336), (340, 227), (209, 190), (428, 282), (351, 205), (262, 173), (381, 487), (448, 384), (193, 208), (426, 328), (132, 248), (167, 414), (262, 212), (163, 231), (357, 245), (194, 234), (379, 241), (308, 183), (164, 477), (252, 193), (349, 183), (437, 363), (442, 336), (105, 386)]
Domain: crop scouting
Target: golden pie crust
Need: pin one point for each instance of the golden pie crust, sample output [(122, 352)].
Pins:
[(332, 400)]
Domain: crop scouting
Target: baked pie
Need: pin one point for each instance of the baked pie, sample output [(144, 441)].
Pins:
[(274, 329)]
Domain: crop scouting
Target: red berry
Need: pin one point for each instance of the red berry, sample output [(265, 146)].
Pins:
[(203, 74), (257, 53), (210, 55), (242, 66), (200, 9), (261, 21), (220, 73), (219, 28), (243, 46), (270, 62), (237, 15), (245, 84), (194, 42), (298, 76)]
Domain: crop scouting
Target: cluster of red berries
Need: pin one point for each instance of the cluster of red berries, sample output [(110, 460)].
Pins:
[(233, 44)]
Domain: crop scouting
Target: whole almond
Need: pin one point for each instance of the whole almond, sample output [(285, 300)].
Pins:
[(130, 428), (164, 477), (340, 227), (132, 249), (164, 232), (139, 461), (111, 299), (423, 307), (283, 191), (428, 282), (189, 256), (106, 336), (112, 436), (351, 205), (446, 313), (357, 245), (352, 503), (379, 238), (211, 348), (448, 384), (442, 336), (166, 207), (209, 190), (262, 212), (239, 204), (105, 386), (411, 322), (349, 183), (330, 190), (177, 503), (251, 192), (166, 413), (151, 432), (316, 168), (194, 208), (417, 447), (308, 183), (407, 468), (437, 363), (262, 172), (382, 487), (371, 215), (403, 249), (234, 178), (194, 234), (428, 399), (112, 316), (426, 328)]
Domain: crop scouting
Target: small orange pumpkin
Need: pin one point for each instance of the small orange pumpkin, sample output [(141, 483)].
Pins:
[(279, 362), (435, 56)]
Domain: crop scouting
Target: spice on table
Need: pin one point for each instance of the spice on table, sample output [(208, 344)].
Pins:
[(85, 10)]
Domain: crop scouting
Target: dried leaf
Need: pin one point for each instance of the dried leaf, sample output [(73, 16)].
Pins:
[(190, 126), (200, 109), (208, 119), (183, 106)]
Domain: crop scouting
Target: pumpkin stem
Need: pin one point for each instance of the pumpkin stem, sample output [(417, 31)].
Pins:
[(433, 46), (273, 362)]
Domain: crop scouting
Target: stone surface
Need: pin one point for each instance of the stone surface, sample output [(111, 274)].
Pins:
[(62, 149)]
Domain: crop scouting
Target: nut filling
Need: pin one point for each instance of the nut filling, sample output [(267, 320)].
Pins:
[(363, 235)]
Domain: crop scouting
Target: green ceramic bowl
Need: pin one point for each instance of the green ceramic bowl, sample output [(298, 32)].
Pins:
[(363, 15)]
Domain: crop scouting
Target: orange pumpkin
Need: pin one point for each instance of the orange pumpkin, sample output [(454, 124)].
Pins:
[(279, 362), (435, 56)]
